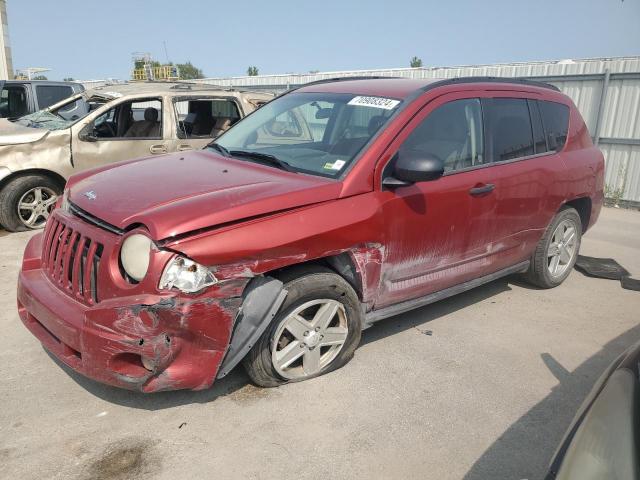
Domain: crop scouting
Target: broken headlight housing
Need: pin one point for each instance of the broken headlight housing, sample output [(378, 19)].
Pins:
[(186, 275), (64, 201)]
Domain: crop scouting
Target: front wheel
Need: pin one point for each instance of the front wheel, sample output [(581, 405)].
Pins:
[(316, 331), (557, 251), (26, 202)]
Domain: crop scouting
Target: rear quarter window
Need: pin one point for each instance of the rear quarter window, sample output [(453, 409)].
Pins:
[(555, 119)]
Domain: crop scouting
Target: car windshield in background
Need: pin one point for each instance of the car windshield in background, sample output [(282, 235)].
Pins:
[(63, 116), (45, 119), (316, 133)]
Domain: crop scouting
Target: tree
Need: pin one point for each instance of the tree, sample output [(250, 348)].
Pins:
[(415, 62), (252, 71), (188, 71), (39, 77)]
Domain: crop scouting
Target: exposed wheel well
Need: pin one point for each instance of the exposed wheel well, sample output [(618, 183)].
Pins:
[(583, 207), (341, 264), (57, 178)]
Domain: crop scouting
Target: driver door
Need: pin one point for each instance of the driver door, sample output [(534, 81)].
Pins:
[(119, 132), (439, 233)]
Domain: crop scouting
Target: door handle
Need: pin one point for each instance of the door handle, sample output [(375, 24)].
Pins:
[(158, 148), (183, 147), (482, 189)]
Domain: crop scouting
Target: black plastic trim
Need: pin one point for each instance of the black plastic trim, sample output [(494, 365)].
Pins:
[(507, 80), (398, 308)]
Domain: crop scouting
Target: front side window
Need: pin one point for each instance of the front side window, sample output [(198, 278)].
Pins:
[(452, 133), (50, 94), (555, 118), (315, 133), (134, 119), (510, 131)]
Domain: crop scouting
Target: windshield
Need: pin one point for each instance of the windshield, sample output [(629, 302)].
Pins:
[(316, 133), (45, 119)]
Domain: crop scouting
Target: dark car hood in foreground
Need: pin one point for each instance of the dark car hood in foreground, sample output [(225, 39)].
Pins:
[(179, 193)]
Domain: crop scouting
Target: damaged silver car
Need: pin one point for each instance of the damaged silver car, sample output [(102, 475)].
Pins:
[(39, 151)]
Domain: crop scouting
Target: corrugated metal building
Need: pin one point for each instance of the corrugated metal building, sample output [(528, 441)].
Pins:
[(606, 90)]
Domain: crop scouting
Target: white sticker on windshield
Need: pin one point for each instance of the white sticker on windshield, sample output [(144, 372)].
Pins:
[(375, 102), (337, 165)]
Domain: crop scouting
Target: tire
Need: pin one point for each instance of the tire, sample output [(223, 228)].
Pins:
[(25, 189), (542, 262), (304, 287)]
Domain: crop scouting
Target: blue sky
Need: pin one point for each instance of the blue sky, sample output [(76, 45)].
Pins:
[(88, 39)]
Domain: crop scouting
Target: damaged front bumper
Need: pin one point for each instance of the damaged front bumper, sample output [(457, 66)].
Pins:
[(143, 342)]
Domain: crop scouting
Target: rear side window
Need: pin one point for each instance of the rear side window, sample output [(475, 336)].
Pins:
[(555, 118), (50, 94), (453, 133), (510, 131)]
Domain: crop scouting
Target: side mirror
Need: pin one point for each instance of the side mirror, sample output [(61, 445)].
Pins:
[(412, 167), (88, 134)]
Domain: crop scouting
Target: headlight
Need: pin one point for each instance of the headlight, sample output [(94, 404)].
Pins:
[(186, 275), (134, 255)]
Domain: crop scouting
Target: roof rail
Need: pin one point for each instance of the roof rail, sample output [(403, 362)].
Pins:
[(341, 79), (516, 80)]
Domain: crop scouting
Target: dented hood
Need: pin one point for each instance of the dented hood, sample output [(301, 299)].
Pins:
[(14, 134), (179, 193)]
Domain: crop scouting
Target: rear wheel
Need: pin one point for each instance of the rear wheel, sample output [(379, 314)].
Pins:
[(316, 331), (557, 251), (26, 202)]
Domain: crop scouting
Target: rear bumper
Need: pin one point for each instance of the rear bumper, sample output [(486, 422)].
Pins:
[(140, 342)]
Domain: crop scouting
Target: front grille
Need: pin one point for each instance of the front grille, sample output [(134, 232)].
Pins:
[(71, 261)]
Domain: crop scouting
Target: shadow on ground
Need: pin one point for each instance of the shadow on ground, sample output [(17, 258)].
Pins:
[(525, 449), (236, 384)]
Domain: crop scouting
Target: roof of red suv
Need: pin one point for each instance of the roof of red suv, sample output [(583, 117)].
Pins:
[(386, 87), (401, 88)]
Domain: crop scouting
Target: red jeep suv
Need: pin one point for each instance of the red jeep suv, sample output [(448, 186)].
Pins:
[(334, 206)]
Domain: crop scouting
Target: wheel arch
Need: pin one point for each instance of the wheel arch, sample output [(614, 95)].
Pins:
[(343, 264), (583, 206), (56, 177)]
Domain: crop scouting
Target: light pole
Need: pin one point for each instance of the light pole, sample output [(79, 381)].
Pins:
[(6, 65)]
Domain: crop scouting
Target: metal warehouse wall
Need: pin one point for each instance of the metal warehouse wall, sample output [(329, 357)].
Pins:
[(606, 90)]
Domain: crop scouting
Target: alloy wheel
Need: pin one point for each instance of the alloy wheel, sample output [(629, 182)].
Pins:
[(309, 338), (35, 206), (562, 249)]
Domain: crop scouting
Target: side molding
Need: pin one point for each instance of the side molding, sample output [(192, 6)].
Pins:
[(398, 308), (262, 300)]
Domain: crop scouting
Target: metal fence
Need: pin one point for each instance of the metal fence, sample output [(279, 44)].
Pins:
[(605, 90)]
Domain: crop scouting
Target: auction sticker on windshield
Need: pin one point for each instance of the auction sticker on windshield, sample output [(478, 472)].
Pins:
[(375, 102)]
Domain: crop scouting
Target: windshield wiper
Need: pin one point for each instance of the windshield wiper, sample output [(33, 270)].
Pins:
[(219, 148), (265, 157)]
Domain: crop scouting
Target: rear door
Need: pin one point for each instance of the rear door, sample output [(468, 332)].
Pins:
[(524, 174)]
